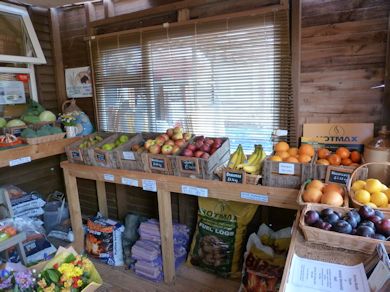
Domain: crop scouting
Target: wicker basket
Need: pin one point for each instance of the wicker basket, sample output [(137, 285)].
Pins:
[(303, 203), (354, 177), (43, 139), (339, 240)]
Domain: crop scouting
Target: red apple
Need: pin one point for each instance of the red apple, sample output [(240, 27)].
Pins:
[(205, 156), (205, 148), (167, 149), (155, 149), (218, 141), (198, 153), (188, 153), (149, 143), (187, 136), (216, 145), (165, 136), (135, 147), (209, 141), (383, 227), (177, 136), (169, 132), (191, 147), (212, 150), (199, 138), (180, 142), (198, 144), (169, 142), (175, 149), (177, 130), (160, 140)]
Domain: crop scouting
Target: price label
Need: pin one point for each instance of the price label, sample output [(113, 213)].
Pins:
[(339, 176), (21, 160), (286, 168), (195, 191), (100, 157), (157, 163), (129, 181), (128, 155), (76, 155), (149, 185), (254, 197), (109, 177), (188, 165), (234, 177)]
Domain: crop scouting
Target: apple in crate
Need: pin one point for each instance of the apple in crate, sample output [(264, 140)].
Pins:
[(175, 149), (169, 142), (188, 153), (205, 156), (149, 143), (209, 141), (177, 136), (155, 149), (205, 148), (169, 132), (135, 147), (177, 130), (165, 136), (191, 147), (180, 142), (160, 140), (167, 149), (199, 153), (186, 136), (199, 144)]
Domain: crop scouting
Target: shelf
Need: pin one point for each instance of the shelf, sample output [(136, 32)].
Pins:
[(32, 152), (12, 241)]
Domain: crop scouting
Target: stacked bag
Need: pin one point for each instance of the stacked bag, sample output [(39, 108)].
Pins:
[(146, 252)]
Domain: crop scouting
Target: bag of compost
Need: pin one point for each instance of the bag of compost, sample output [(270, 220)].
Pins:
[(219, 235)]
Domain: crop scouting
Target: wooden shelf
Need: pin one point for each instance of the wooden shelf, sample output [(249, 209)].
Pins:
[(35, 151)]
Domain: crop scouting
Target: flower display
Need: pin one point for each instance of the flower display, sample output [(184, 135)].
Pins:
[(68, 119), (20, 279)]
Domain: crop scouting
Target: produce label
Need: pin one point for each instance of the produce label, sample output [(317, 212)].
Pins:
[(100, 157), (156, 163), (149, 185), (338, 175), (234, 177), (286, 168), (21, 160), (254, 197), (76, 155), (189, 165), (129, 181), (128, 155), (195, 191), (109, 177)]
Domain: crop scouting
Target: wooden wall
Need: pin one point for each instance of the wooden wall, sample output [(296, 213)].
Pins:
[(343, 50)]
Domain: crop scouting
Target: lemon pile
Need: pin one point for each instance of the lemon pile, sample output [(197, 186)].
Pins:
[(371, 192)]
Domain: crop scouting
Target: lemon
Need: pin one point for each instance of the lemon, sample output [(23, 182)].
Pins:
[(373, 185), (379, 199), (362, 196), (387, 193), (372, 205), (384, 188), (358, 185)]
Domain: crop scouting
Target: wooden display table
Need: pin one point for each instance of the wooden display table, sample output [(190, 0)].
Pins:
[(165, 185)]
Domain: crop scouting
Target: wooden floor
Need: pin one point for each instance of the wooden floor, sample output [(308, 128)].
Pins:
[(187, 280)]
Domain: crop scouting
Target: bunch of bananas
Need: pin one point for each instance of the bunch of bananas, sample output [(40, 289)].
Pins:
[(252, 165)]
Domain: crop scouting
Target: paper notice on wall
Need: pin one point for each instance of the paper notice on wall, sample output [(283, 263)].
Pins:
[(310, 275)]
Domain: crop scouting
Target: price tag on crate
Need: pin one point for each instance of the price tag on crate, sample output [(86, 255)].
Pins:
[(128, 155), (234, 176), (254, 197), (76, 155), (338, 175), (108, 177), (195, 191), (157, 163), (149, 185), (286, 168), (188, 164), (21, 160), (129, 181)]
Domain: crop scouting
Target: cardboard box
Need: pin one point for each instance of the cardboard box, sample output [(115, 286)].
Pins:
[(332, 136)]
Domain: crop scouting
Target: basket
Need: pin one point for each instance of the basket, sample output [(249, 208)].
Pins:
[(303, 203), (338, 240), (43, 139), (353, 178)]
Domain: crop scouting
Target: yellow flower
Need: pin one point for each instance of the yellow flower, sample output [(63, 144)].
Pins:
[(42, 283), (51, 288), (79, 283), (68, 283), (70, 270), (87, 265), (65, 290)]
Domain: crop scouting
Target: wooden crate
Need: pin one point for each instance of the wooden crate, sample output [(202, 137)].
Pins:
[(106, 158), (133, 160), (16, 131), (239, 177), (202, 168), (303, 203), (335, 239), (43, 139), (80, 156), (275, 174)]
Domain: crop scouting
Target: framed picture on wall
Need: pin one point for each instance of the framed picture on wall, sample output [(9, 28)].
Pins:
[(78, 82), (12, 92)]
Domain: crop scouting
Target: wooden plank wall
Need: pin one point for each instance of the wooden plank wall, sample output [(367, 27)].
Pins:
[(342, 57)]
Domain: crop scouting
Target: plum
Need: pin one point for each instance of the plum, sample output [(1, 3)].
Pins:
[(338, 214), (366, 212), (378, 236), (351, 220), (353, 231), (367, 223), (374, 219), (383, 227), (379, 214), (354, 214), (331, 218), (365, 231), (311, 217), (342, 226), (319, 223), (326, 226), (326, 212)]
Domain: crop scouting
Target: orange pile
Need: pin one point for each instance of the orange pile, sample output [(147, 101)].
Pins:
[(318, 192), (283, 152), (342, 157)]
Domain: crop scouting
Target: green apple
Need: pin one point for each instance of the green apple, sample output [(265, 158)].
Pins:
[(123, 138)]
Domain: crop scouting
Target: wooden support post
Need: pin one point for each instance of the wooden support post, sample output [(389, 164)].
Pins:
[(90, 15), (102, 198), (58, 61), (386, 108), (109, 10), (166, 230), (121, 203), (183, 15), (72, 195)]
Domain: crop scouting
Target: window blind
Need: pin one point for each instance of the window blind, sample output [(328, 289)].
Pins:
[(224, 78)]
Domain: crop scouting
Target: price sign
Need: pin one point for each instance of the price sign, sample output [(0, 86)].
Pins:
[(237, 177), (195, 191), (108, 177), (157, 163), (254, 197), (338, 175), (189, 165), (286, 168), (128, 155), (21, 160), (101, 157), (76, 155), (129, 181), (149, 185)]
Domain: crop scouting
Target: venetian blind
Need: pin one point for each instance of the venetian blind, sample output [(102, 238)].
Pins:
[(226, 78)]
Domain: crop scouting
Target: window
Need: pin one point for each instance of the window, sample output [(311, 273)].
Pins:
[(227, 78)]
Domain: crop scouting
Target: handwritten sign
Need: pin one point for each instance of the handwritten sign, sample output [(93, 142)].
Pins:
[(188, 165), (254, 197), (234, 177), (129, 181), (338, 175), (195, 191), (128, 155), (149, 185), (157, 163), (21, 160), (108, 177), (286, 168), (76, 155), (100, 157)]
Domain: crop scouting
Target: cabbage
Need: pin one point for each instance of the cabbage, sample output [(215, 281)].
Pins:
[(15, 123), (3, 122), (47, 116)]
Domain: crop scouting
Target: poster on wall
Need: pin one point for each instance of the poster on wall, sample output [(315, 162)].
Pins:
[(78, 82), (12, 92)]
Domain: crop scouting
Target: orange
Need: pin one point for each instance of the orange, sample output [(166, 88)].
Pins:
[(281, 147), (306, 149)]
